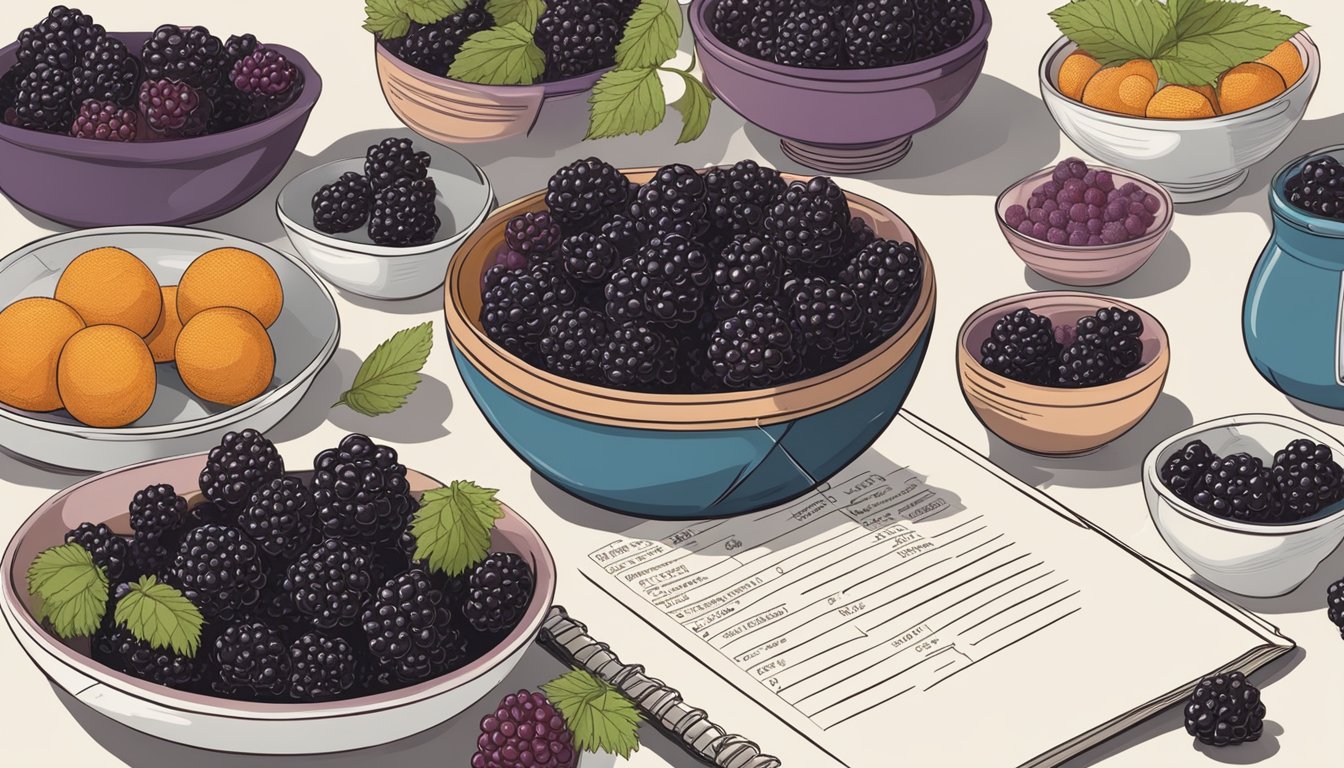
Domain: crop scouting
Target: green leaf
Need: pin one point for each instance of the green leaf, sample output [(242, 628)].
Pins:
[(73, 589), (524, 12), (1115, 31), (651, 36), (430, 11), (452, 527), (1225, 34), (391, 373), (386, 18), (599, 716), (160, 615), (693, 106), (505, 55), (626, 101)]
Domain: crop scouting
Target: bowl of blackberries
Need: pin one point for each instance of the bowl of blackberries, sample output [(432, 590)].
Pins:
[(845, 85), (386, 224), (172, 126), (230, 603), (1252, 503), (1061, 373), (1084, 226), (686, 343)]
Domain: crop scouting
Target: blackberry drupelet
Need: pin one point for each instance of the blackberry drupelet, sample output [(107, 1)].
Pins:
[(639, 356), (1239, 487), (105, 121), (572, 344), (117, 648), (881, 33), (410, 631), (1225, 709), (404, 213), (192, 56), (1318, 188), (242, 463), (173, 109), (828, 314), (498, 592), (394, 159), (107, 72), (808, 223), (343, 205), (1022, 347), (810, 37), (533, 233), (758, 347), (249, 660), (588, 258), (1334, 602), (59, 39), (331, 583), (44, 101), (885, 276), (108, 550), (1306, 478), (158, 514), (1118, 332), (219, 569), (740, 196), (361, 492), (433, 47), (321, 667), (517, 306), (576, 38), (1183, 473), (672, 202), (748, 270), (664, 282), (280, 519), (586, 193), (525, 723)]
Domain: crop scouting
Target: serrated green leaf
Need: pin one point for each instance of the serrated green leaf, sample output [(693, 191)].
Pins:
[(1179, 9), (72, 588), (391, 373), (1180, 66), (452, 527), (626, 101), (160, 615), (430, 11), (1225, 34), (599, 716), (386, 19), (523, 12), (694, 106), (505, 55), (1115, 31), (651, 36)]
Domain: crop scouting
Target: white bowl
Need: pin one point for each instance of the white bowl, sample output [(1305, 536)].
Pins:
[(1194, 159), (1252, 559), (352, 262), (304, 336)]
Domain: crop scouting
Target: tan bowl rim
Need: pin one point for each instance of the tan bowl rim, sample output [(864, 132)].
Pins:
[(640, 410), (1311, 64), (1155, 232), (565, 86)]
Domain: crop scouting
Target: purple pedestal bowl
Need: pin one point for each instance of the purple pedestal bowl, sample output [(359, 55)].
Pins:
[(89, 183), (843, 121)]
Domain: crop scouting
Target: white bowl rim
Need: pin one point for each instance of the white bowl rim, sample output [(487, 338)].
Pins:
[(1151, 478), (385, 251), (1156, 231), (213, 421), (1311, 72)]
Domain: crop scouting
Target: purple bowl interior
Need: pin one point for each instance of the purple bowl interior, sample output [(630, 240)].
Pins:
[(1063, 308), (1020, 192)]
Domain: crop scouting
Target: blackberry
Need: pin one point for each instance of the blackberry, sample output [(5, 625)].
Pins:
[(107, 72), (158, 514), (174, 110), (808, 223), (740, 196), (586, 193), (238, 467), (331, 583), (410, 631), (828, 314), (1334, 602), (881, 33), (108, 550), (524, 723), (757, 347), (264, 72), (672, 202), (748, 270), (250, 660), (361, 492), (275, 606), (885, 276), (1306, 478), (860, 236), (572, 345), (1083, 364), (343, 205), (532, 234), (280, 518), (404, 213), (151, 558), (763, 36), (498, 592), (238, 46), (519, 305), (44, 101), (230, 108), (1225, 709), (191, 56), (1022, 347), (1117, 331), (433, 47), (59, 40), (588, 258), (1183, 473), (733, 21), (576, 39), (949, 23), (1239, 487), (105, 121), (394, 159), (219, 569), (810, 37), (639, 356), (664, 282), (1318, 188), (116, 647), (321, 667), (623, 234)]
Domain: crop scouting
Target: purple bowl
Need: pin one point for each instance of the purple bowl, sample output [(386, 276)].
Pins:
[(844, 121), (88, 183)]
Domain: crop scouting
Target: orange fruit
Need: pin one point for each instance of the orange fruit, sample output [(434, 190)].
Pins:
[(1208, 93), (163, 338), (32, 334), (1248, 85), (106, 376), (1124, 89), (110, 286), (230, 277), (1142, 67), (1177, 102), (1074, 73), (1286, 61), (224, 355)]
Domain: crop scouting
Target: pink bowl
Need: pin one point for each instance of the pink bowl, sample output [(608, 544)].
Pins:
[(1084, 265)]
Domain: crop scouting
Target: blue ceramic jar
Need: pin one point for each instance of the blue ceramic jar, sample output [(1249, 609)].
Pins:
[(1293, 314)]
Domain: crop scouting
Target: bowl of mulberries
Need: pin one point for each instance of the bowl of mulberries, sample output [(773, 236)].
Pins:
[(844, 84), (1084, 225), (386, 224), (173, 126), (1252, 503), (1061, 373), (682, 342), (294, 612)]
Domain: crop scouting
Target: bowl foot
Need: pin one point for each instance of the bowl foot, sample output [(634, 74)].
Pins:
[(847, 159), (1206, 190)]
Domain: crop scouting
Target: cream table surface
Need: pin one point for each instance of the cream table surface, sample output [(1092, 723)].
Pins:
[(945, 189)]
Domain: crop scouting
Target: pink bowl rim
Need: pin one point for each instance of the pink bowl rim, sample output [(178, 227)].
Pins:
[(1157, 231), (551, 89)]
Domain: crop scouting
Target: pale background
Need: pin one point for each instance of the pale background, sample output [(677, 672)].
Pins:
[(945, 189)]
